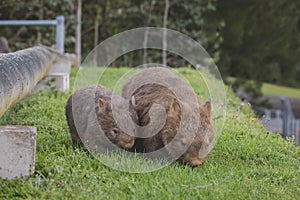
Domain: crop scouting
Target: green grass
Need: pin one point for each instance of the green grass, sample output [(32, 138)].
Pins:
[(247, 162), (275, 90)]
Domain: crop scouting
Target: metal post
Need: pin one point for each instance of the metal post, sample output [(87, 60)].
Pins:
[(284, 124), (294, 127), (267, 114), (288, 117), (297, 137), (60, 34)]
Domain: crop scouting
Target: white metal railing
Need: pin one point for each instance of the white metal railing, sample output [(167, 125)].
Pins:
[(58, 22)]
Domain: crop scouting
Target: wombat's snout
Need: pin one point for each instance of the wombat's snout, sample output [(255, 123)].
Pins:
[(126, 141)]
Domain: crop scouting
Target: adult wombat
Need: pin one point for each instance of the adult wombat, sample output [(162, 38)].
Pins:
[(93, 107), (161, 86)]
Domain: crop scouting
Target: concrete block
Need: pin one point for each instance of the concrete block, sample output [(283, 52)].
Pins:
[(17, 151), (58, 77), (61, 66), (60, 81)]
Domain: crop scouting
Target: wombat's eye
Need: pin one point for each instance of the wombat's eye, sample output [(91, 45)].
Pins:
[(115, 131)]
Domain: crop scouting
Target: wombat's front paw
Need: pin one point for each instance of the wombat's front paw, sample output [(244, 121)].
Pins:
[(193, 161), (196, 162)]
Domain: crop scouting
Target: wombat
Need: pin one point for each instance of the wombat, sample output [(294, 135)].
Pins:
[(98, 99), (145, 97), (181, 108)]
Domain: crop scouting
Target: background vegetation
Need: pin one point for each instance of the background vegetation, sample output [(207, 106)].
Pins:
[(254, 40), (247, 162)]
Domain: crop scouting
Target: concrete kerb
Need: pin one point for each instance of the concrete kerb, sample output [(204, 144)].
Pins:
[(17, 151), (18, 143)]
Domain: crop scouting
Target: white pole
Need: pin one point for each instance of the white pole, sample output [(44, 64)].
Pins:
[(60, 34)]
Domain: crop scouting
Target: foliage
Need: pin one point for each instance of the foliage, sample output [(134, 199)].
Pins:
[(254, 40), (247, 162), (261, 40), (102, 19), (21, 37), (185, 16)]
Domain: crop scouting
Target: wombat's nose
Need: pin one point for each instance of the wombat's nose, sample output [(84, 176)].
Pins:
[(196, 163), (129, 145), (126, 142)]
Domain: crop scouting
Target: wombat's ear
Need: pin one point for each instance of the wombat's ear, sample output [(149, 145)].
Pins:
[(101, 103), (207, 107), (133, 101), (175, 105)]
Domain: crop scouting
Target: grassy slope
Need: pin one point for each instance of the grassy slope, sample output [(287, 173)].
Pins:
[(275, 90), (247, 162)]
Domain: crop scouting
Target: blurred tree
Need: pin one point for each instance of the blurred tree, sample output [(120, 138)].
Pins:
[(165, 23), (78, 31), (25, 36), (117, 16), (261, 40), (148, 12), (104, 18)]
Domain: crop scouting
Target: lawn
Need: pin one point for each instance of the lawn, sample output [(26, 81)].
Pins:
[(247, 161), (275, 90)]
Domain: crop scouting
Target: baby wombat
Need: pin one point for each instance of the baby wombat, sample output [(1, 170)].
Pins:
[(181, 109), (98, 99)]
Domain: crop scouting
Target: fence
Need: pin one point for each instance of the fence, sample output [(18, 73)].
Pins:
[(58, 22), (273, 120), (291, 126), (283, 121)]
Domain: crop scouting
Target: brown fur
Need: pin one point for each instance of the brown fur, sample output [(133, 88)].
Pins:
[(4, 48), (104, 115), (148, 94), (145, 97)]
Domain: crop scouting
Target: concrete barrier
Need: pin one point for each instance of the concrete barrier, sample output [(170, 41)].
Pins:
[(58, 77), (21, 71), (17, 151)]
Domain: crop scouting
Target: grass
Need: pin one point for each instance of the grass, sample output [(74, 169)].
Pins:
[(247, 161), (275, 90)]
